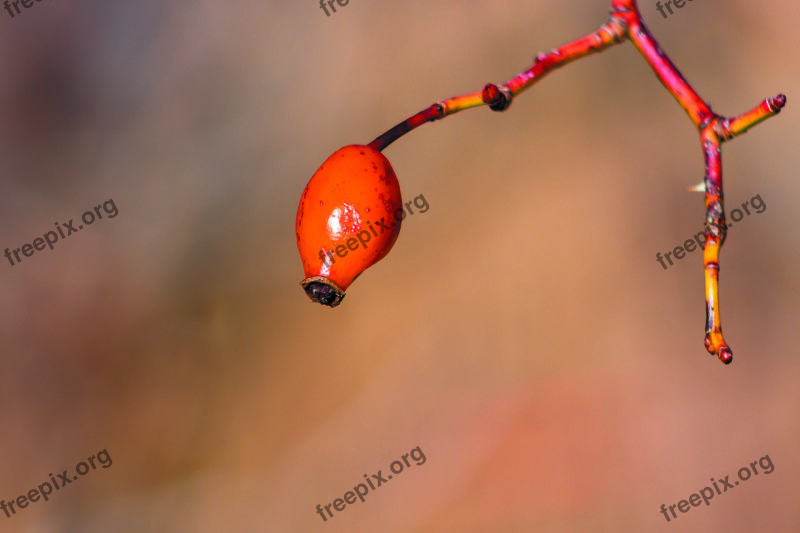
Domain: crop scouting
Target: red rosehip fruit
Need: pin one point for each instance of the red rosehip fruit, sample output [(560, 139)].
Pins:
[(348, 219)]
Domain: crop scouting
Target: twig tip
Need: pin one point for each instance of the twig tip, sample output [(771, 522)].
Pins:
[(778, 102)]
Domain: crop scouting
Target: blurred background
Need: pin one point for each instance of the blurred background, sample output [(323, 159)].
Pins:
[(521, 332)]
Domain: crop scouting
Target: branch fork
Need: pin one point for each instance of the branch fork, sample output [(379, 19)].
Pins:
[(625, 23)]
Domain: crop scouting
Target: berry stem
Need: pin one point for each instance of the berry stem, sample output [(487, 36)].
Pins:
[(625, 23)]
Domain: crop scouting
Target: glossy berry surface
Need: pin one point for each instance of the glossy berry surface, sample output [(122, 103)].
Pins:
[(348, 220)]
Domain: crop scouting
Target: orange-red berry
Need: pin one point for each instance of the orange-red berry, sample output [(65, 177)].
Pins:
[(348, 219)]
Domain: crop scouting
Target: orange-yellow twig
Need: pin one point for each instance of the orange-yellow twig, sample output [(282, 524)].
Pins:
[(731, 127), (625, 23)]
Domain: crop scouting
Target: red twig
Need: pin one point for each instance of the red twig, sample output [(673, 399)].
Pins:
[(625, 23)]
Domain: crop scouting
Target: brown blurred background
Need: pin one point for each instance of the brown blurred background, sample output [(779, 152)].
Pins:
[(520, 332)]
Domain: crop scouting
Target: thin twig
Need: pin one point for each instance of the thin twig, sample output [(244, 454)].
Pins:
[(625, 23)]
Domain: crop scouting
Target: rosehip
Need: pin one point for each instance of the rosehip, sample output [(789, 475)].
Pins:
[(348, 219)]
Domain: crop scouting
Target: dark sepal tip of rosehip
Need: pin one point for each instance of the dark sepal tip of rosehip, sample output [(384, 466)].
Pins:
[(323, 291)]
